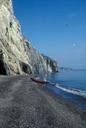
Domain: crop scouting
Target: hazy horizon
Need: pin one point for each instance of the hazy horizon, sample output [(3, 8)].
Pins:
[(55, 28)]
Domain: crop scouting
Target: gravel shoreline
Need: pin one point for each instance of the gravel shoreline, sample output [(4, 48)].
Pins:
[(24, 104)]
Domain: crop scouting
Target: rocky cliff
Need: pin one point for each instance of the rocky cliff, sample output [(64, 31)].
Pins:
[(17, 56)]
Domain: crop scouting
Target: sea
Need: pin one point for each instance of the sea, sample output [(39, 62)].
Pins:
[(69, 84)]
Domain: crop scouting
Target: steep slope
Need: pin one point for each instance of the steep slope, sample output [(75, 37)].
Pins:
[(17, 56)]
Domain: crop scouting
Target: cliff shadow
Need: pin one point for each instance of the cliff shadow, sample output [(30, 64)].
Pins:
[(2, 68)]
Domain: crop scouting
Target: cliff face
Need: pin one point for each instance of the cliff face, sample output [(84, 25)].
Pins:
[(17, 56)]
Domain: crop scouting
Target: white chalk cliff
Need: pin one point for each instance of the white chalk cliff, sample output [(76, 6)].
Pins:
[(17, 56)]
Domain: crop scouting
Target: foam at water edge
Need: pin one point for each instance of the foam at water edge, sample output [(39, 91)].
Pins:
[(73, 91)]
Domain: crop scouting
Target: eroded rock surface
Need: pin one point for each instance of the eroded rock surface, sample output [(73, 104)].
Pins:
[(16, 53)]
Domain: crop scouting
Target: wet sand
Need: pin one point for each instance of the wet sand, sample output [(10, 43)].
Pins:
[(24, 104)]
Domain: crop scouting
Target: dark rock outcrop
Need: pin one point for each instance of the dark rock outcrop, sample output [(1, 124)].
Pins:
[(17, 55)]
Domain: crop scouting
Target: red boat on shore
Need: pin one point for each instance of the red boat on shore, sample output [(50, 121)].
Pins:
[(39, 81)]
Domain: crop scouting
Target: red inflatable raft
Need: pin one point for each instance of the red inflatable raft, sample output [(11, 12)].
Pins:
[(39, 81)]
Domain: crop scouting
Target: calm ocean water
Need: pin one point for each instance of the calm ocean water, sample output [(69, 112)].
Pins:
[(70, 85)]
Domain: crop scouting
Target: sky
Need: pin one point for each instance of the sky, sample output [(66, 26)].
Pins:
[(56, 28)]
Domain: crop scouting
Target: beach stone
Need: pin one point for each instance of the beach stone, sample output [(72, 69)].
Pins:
[(24, 104)]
